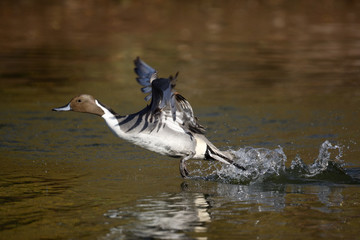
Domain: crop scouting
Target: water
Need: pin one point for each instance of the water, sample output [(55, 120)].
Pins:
[(276, 83), (265, 165)]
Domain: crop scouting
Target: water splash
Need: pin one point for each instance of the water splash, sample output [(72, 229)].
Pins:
[(324, 168), (259, 163), (266, 165)]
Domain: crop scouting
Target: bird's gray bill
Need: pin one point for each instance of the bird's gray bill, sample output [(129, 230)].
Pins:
[(64, 108)]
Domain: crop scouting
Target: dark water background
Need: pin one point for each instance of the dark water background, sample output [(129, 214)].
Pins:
[(275, 81)]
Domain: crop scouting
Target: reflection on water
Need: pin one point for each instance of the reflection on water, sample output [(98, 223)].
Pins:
[(189, 214), (166, 216), (253, 43), (259, 75), (272, 197)]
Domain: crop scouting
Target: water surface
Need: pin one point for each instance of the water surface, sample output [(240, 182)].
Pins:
[(276, 82)]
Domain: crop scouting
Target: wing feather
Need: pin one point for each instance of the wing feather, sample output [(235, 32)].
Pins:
[(187, 115), (163, 97), (146, 75)]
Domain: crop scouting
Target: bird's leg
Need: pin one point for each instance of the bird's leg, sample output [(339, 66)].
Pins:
[(184, 173)]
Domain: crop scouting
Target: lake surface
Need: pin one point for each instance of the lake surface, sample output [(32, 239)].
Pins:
[(276, 82)]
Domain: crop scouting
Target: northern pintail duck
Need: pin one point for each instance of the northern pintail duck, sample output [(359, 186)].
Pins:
[(166, 126)]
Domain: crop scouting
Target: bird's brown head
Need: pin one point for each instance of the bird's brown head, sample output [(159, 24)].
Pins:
[(83, 103)]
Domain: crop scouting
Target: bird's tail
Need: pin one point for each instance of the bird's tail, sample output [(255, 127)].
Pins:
[(213, 153)]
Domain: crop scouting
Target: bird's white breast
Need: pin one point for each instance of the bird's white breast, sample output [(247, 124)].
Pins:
[(170, 140)]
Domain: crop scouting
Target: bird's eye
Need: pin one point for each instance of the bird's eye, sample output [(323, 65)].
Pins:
[(79, 100)]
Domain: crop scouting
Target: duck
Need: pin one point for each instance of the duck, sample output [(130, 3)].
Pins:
[(166, 125)]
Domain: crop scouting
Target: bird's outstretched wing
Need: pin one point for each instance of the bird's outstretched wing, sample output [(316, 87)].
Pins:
[(159, 89), (163, 97), (146, 75)]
